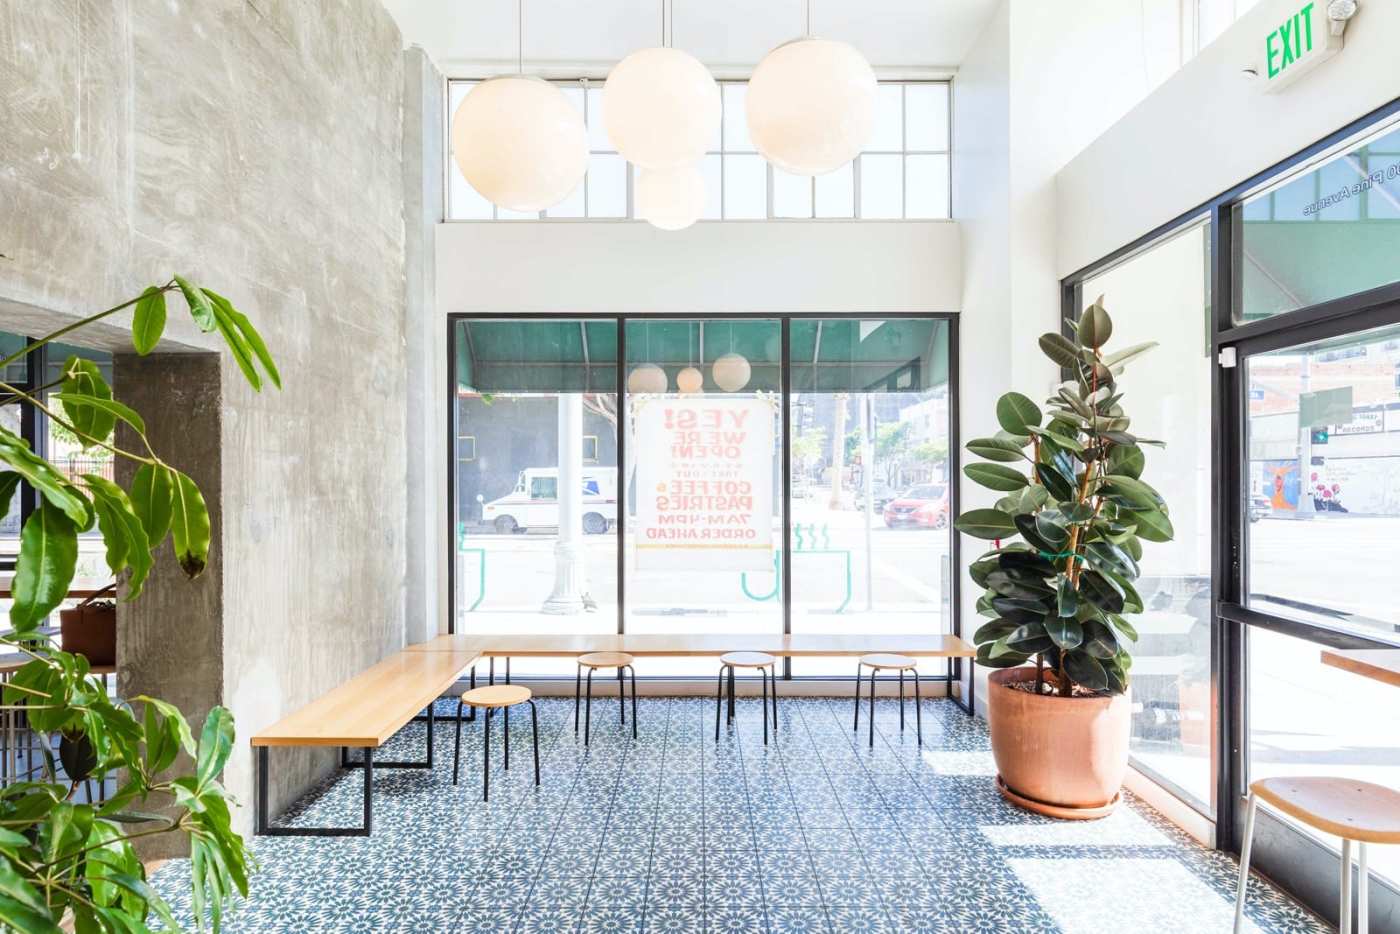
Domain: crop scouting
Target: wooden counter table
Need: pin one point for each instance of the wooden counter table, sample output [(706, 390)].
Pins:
[(1376, 664)]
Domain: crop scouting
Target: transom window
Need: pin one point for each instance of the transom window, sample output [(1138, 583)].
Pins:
[(903, 174)]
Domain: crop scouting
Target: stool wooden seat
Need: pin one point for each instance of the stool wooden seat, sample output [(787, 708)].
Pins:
[(747, 660), (1345, 807), (500, 695), (605, 660), (593, 661), (887, 661), (495, 697), (882, 660), (767, 667)]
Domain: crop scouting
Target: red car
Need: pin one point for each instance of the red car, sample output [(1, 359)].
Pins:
[(924, 506)]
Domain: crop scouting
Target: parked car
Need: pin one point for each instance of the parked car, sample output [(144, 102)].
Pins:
[(923, 506), (1259, 507), (534, 503)]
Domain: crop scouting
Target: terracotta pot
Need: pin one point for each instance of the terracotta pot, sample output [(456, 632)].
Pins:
[(1061, 756), (90, 631)]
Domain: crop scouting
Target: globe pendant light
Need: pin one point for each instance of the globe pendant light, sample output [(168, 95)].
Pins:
[(647, 378), (811, 104), (671, 199), (731, 372), (661, 107), (518, 141), (690, 380)]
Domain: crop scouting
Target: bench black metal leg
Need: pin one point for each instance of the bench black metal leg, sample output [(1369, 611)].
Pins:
[(860, 672), (492, 675), (535, 735), (457, 742), (264, 825), (634, 700), (507, 669)]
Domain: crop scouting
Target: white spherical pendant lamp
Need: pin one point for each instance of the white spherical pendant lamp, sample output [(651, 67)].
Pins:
[(671, 199), (811, 105), (661, 108), (647, 378), (731, 372), (690, 380), (519, 142)]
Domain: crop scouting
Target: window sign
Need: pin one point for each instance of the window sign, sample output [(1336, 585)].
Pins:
[(705, 487)]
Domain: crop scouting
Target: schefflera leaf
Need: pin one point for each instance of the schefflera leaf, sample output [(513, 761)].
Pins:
[(122, 531)]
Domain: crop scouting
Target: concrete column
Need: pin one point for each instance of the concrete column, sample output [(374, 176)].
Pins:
[(569, 573), (170, 641)]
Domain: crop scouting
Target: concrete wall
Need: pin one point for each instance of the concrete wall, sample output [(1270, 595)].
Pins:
[(1208, 128), (254, 145)]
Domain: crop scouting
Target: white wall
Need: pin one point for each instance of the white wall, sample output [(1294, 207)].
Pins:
[(1207, 128), (762, 266)]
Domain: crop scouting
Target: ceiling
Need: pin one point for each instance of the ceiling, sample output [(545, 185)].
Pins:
[(468, 38)]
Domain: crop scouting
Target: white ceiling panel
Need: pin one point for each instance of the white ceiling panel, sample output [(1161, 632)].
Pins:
[(471, 37)]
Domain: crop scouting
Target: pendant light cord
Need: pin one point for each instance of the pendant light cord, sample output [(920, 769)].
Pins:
[(520, 36), (809, 19)]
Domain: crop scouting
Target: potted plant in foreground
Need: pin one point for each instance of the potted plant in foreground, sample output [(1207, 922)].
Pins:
[(1058, 582), (66, 862)]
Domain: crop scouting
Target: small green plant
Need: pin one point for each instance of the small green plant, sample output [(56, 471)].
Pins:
[(1069, 531), (62, 859)]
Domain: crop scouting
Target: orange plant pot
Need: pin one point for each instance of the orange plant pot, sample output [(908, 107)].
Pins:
[(1060, 756)]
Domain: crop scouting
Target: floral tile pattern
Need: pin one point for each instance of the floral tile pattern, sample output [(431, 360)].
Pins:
[(673, 832)]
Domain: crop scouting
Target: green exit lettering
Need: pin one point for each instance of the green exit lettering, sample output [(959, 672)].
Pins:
[(1287, 44)]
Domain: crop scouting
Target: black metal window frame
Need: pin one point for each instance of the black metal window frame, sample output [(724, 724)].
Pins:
[(1296, 860), (31, 430), (955, 672)]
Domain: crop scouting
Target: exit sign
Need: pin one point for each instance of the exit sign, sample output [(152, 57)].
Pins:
[(1297, 44)]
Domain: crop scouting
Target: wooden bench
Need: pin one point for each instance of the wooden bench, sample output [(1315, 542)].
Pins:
[(934, 645), (363, 713)]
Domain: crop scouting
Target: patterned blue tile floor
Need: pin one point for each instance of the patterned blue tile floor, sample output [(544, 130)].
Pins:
[(675, 833)]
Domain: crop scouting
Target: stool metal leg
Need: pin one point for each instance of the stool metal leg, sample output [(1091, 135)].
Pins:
[(621, 697), (535, 735), (774, 675), (505, 732), (578, 693), (763, 677), (588, 709), (719, 699), (901, 700), (457, 743), (1345, 927), (471, 717), (1362, 922), (872, 708), (486, 759), (731, 694), (1243, 885), (918, 708), (860, 671), (634, 700)]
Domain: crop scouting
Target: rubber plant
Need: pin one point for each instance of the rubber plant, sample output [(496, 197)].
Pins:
[(65, 860), (1059, 581)]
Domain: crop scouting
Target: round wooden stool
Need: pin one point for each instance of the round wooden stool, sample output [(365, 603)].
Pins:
[(767, 667), (1344, 807), (887, 662), (593, 661), (504, 697)]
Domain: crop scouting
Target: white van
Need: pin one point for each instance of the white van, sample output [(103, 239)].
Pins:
[(534, 503)]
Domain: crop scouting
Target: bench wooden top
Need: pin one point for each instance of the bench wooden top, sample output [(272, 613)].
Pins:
[(373, 705), (665, 644), (1377, 664)]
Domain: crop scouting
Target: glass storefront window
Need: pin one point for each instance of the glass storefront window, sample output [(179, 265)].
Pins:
[(1324, 482), (870, 537), (1163, 294), (703, 480), (528, 396), (1325, 233)]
